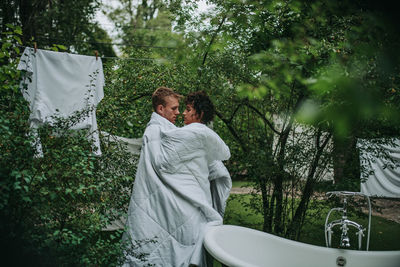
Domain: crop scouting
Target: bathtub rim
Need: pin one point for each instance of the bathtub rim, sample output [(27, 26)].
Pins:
[(219, 254)]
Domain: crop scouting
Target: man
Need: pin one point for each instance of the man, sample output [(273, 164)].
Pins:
[(166, 108), (167, 209)]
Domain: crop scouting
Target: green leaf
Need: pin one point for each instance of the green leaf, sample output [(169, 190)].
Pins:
[(62, 47), (6, 45), (26, 199), (18, 30), (17, 39)]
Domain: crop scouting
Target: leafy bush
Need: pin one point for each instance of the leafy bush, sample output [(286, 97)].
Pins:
[(53, 208)]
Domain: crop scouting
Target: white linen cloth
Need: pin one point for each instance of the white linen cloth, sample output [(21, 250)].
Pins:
[(171, 200), (133, 145), (59, 84), (384, 180)]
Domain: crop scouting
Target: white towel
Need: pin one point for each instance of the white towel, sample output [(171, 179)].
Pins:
[(59, 84)]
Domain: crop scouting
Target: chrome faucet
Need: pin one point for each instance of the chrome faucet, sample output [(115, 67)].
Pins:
[(344, 222)]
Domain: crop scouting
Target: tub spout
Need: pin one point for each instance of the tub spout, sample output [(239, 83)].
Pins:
[(344, 240), (345, 223)]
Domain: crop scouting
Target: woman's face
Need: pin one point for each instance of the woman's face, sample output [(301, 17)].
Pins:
[(189, 115)]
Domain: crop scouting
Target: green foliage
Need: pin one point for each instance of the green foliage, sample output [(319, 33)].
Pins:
[(53, 208), (47, 22), (286, 77), (127, 107), (144, 24)]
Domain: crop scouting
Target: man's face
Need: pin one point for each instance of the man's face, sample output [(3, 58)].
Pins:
[(170, 110)]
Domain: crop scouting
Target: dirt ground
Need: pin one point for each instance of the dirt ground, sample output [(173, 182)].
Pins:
[(389, 209)]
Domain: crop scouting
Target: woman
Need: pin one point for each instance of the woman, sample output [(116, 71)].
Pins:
[(200, 109)]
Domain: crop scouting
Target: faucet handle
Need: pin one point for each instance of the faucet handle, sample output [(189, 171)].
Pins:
[(329, 232), (360, 234)]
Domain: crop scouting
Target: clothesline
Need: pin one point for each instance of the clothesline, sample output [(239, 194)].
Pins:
[(129, 58), (115, 58), (108, 43), (119, 25)]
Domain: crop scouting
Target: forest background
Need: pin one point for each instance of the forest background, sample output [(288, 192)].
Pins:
[(295, 85)]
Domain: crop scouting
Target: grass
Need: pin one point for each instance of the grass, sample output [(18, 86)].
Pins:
[(237, 212), (385, 234)]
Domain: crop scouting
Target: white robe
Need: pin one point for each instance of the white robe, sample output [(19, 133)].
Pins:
[(171, 200)]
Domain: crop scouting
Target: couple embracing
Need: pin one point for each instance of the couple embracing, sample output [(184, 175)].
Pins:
[(181, 184)]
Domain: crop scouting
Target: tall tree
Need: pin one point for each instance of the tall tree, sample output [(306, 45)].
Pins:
[(315, 62), (70, 23), (143, 24)]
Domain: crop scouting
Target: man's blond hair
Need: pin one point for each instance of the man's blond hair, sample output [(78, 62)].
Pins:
[(159, 95)]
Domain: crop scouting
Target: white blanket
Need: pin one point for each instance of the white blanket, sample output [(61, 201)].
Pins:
[(171, 200), (59, 84), (383, 176)]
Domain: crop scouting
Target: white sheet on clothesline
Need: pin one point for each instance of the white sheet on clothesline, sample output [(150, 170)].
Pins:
[(383, 179), (59, 84)]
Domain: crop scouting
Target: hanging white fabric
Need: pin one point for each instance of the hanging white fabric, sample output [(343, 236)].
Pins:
[(58, 85), (383, 175), (133, 145)]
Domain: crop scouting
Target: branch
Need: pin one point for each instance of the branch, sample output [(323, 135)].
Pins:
[(318, 138), (318, 154), (263, 118), (233, 132), (295, 109), (234, 112), (326, 141), (140, 96), (212, 39)]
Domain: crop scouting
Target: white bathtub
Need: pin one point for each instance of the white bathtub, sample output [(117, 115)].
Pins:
[(239, 246)]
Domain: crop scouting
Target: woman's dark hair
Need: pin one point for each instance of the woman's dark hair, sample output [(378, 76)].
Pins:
[(202, 105)]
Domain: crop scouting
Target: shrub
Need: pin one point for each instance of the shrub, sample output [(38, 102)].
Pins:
[(53, 208)]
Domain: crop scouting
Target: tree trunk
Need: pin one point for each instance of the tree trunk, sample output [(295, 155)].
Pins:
[(278, 182), (308, 190), (7, 14), (26, 14), (265, 204), (346, 164)]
